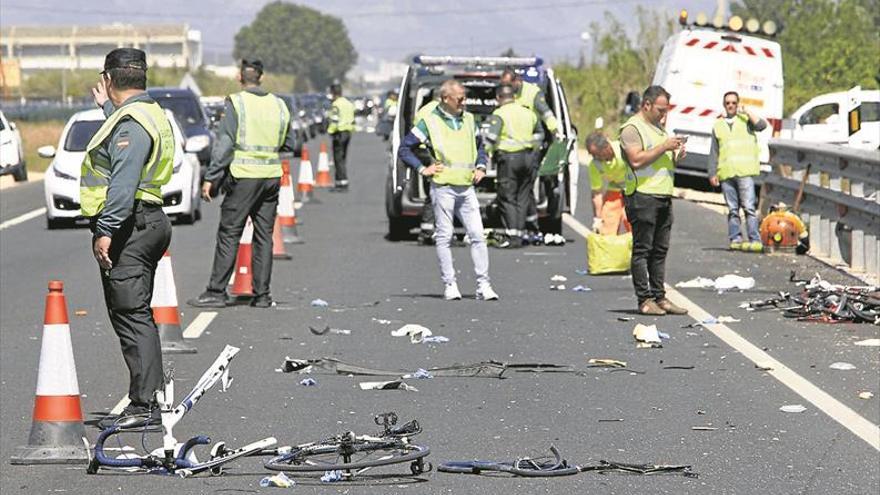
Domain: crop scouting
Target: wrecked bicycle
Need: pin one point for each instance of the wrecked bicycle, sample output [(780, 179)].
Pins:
[(175, 457), (350, 454)]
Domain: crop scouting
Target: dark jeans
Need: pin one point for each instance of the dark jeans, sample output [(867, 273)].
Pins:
[(340, 154), (257, 199), (651, 219), (135, 251), (515, 182)]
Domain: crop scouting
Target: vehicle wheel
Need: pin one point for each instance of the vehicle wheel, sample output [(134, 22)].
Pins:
[(56, 223), (20, 174)]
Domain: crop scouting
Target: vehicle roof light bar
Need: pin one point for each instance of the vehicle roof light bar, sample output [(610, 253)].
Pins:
[(492, 61)]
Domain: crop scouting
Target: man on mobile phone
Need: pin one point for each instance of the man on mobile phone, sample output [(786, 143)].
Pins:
[(733, 164)]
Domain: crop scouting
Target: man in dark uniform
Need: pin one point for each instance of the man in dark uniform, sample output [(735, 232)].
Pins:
[(252, 133), (127, 161)]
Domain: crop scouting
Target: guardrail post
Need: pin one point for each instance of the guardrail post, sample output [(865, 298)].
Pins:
[(858, 250), (825, 241), (857, 189), (838, 238), (872, 255)]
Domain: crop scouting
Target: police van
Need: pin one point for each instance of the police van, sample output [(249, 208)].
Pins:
[(702, 62)]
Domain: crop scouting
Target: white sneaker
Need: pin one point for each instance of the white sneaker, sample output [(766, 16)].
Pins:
[(486, 293), (452, 293)]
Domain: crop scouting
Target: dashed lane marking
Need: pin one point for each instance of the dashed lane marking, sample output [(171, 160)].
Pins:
[(199, 324), (838, 411), (12, 222)]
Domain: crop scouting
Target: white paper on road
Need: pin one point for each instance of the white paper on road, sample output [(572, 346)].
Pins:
[(416, 333), (724, 282)]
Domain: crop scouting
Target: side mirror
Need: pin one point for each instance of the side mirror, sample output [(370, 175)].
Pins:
[(12, 126), (47, 151)]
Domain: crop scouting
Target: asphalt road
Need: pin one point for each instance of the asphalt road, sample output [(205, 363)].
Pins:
[(347, 261)]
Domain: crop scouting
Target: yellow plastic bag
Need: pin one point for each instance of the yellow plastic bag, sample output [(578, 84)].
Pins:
[(609, 253)]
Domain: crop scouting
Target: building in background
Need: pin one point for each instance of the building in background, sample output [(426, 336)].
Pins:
[(84, 47)]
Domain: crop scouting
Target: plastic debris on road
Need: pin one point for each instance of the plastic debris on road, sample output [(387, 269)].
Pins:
[(435, 339), (711, 321), (421, 374), (606, 363), (416, 333), (793, 408), (865, 395), (327, 329), (279, 480), (558, 278), (557, 287), (582, 271), (80, 312), (625, 318), (389, 385), (581, 288), (869, 343), (725, 282), (308, 382), (319, 303), (841, 366), (646, 336), (331, 476), (663, 335)]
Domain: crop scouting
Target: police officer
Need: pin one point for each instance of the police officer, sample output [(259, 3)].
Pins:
[(650, 153), (459, 162), (733, 163), (126, 163), (341, 125), (511, 131), (252, 133), (607, 180)]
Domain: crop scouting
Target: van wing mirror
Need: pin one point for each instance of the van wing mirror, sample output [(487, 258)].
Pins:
[(47, 151)]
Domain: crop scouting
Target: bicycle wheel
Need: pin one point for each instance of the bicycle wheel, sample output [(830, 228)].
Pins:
[(347, 456)]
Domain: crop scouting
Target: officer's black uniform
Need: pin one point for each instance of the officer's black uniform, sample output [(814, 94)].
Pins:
[(140, 234)]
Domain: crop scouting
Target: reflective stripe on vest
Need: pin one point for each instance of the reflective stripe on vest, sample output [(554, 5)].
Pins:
[(738, 151), (95, 170), (517, 124), (656, 178), (262, 128), (456, 149), (341, 116)]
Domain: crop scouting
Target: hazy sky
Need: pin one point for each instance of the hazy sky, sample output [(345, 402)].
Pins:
[(382, 29)]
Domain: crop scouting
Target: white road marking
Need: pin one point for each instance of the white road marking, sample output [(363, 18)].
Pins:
[(843, 414), (195, 329), (22, 218), (117, 409)]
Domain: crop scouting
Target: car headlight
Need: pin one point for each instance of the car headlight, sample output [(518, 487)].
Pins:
[(62, 175)]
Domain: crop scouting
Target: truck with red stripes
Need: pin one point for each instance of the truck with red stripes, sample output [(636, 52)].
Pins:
[(698, 65)]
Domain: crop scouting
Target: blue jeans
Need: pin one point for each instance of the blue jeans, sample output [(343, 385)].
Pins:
[(739, 192)]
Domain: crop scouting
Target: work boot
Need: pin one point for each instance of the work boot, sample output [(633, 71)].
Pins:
[(754, 246), (485, 293), (209, 299), (132, 417), (264, 301), (735, 245), (451, 293), (667, 306), (649, 307)]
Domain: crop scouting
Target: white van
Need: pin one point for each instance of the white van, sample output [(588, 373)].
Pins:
[(824, 120), (698, 65)]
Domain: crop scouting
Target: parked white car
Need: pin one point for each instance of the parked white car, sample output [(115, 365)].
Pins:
[(11, 151), (61, 183), (824, 120)]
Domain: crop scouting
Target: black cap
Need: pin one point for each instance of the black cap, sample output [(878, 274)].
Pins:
[(256, 65), (125, 58)]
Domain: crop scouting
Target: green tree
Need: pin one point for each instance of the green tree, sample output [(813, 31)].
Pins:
[(298, 40)]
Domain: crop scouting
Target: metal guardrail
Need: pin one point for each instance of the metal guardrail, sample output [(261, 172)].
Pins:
[(840, 200)]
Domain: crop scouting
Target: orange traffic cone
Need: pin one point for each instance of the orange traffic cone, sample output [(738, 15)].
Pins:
[(323, 178), (306, 180), (57, 432), (278, 251), (243, 278), (165, 312), (286, 213)]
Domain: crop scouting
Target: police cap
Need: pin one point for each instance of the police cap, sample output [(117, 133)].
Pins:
[(125, 58)]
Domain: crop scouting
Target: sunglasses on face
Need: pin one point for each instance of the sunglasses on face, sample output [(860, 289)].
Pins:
[(731, 102)]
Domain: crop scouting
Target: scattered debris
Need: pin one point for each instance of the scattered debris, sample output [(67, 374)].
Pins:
[(381, 321), (641, 468), (581, 271), (664, 335), (725, 282), (711, 321), (80, 312), (678, 367), (606, 363), (647, 336), (703, 428), (557, 287), (327, 329), (319, 303), (279, 480), (308, 382), (331, 476), (435, 339), (697, 283), (416, 333), (421, 374), (581, 288), (824, 302), (611, 420), (625, 318), (558, 278), (484, 369), (841, 366), (869, 343), (865, 395), (793, 408), (389, 385)]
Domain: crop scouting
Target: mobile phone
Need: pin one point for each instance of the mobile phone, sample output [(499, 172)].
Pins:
[(683, 139)]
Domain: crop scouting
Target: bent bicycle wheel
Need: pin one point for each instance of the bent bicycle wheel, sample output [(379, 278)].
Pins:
[(486, 467), (360, 455)]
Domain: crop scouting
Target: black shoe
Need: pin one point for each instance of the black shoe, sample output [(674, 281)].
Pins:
[(133, 417), (262, 302), (209, 300)]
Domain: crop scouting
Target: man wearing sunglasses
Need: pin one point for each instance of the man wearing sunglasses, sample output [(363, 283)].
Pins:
[(733, 164), (459, 163)]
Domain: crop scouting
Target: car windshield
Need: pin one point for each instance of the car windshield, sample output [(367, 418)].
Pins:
[(185, 109), (80, 134)]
